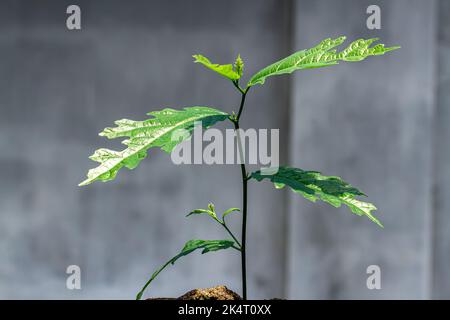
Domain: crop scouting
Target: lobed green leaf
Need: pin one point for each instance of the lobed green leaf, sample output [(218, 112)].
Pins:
[(319, 56), (142, 135), (313, 185)]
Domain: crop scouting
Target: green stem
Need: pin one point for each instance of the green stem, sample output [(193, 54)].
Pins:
[(244, 231), (236, 84), (244, 195), (231, 233), (154, 275), (234, 247), (244, 94)]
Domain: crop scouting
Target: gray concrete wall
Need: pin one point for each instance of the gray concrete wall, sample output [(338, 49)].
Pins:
[(381, 124), (372, 124), (60, 88), (441, 173)]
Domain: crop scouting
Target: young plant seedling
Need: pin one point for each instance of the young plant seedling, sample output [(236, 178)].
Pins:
[(158, 130)]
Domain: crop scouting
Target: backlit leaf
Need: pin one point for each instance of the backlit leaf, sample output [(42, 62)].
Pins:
[(225, 70), (319, 56), (157, 131), (312, 185)]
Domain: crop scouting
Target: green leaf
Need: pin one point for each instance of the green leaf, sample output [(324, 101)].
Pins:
[(239, 65), (225, 70), (154, 132), (319, 56), (212, 214), (312, 185), (199, 211), (227, 212), (190, 246)]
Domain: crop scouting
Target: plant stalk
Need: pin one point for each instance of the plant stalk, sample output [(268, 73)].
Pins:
[(244, 197), (231, 234), (244, 231)]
